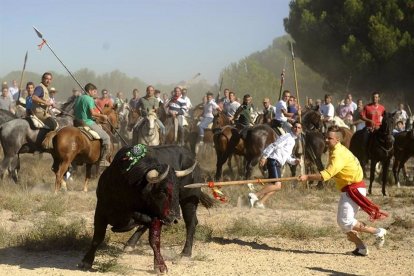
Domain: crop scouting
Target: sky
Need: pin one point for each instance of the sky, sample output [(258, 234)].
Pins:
[(158, 41)]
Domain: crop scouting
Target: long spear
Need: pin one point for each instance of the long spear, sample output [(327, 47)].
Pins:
[(282, 81), (221, 85), (44, 42), (296, 80), (21, 77), (239, 182)]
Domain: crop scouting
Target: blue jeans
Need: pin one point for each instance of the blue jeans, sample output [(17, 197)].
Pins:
[(273, 167), (204, 124)]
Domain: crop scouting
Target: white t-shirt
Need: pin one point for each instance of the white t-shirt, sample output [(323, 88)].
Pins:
[(209, 108), (278, 113), (327, 110)]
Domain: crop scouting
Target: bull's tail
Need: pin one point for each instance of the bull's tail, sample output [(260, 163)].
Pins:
[(206, 200)]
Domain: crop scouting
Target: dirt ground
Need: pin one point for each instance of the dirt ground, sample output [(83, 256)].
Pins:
[(241, 255)]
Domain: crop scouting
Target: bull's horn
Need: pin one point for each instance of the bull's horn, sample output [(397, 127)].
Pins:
[(153, 176), (186, 171)]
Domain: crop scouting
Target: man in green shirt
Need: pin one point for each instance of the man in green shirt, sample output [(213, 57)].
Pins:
[(150, 103), (85, 110)]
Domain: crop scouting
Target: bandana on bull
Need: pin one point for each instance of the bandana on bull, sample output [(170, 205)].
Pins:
[(135, 154)]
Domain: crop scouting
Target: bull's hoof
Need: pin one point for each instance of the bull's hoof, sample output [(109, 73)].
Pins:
[(85, 265), (129, 248), (160, 269)]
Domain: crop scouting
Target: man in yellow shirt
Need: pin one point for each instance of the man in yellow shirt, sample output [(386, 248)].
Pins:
[(345, 169)]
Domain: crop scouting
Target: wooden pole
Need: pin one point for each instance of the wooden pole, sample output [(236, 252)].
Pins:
[(296, 82), (239, 182)]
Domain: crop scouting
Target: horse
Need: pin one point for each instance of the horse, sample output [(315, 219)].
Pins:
[(148, 132), (71, 146), (19, 136), (403, 150), (6, 116), (380, 148), (228, 141)]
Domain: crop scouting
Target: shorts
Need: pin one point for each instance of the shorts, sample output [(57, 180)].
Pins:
[(274, 168), (347, 210)]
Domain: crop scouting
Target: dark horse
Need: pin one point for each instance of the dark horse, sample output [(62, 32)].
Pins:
[(228, 141), (403, 150), (379, 148), (70, 145)]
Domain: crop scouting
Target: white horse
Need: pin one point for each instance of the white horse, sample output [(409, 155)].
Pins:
[(148, 131)]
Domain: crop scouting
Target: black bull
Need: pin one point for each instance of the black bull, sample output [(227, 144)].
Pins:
[(125, 216)]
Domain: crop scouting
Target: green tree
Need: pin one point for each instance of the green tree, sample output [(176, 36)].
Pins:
[(361, 45)]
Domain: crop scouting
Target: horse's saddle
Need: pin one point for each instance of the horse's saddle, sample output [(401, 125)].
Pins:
[(36, 123), (91, 134)]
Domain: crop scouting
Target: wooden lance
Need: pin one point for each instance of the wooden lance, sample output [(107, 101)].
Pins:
[(296, 81), (282, 81), (21, 77), (44, 42), (239, 182)]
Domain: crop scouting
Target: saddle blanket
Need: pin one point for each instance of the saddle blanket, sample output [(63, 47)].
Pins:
[(91, 134)]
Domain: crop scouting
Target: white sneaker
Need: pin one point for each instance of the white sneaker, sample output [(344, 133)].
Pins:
[(259, 205), (252, 199), (251, 187), (380, 237)]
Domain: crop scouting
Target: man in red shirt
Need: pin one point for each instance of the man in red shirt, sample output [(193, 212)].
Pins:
[(373, 112), (372, 115), (105, 100)]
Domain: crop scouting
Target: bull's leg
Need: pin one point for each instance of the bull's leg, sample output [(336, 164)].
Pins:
[(385, 166), (133, 240), (87, 177), (371, 174), (100, 225), (155, 243), (189, 209)]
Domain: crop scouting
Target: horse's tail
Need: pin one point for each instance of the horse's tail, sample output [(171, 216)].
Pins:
[(47, 143)]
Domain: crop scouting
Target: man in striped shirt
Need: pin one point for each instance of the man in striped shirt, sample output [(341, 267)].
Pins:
[(177, 107)]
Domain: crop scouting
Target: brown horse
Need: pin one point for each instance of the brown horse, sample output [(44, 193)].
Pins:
[(70, 145), (228, 141)]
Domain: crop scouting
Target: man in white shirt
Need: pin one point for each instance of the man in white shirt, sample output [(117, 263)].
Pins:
[(208, 116), (186, 98), (353, 104), (276, 155), (327, 111), (282, 117), (14, 91), (231, 107), (400, 114)]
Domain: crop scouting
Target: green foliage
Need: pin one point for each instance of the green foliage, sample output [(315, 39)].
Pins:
[(357, 45), (259, 74)]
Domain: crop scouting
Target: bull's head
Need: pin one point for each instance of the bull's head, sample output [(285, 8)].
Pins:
[(164, 193)]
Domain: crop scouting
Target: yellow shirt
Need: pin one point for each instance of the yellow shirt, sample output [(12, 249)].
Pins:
[(343, 167)]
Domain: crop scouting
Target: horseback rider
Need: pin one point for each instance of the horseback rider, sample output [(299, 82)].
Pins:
[(177, 108), (207, 114), (42, 103), (327, 112), (242, 116), (231, 107), (185, 97), (268, 111), (147, 104), (85, 111), (372, 114), (283, 118)]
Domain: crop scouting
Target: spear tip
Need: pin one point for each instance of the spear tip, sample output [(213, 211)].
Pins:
[(39, 34)]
